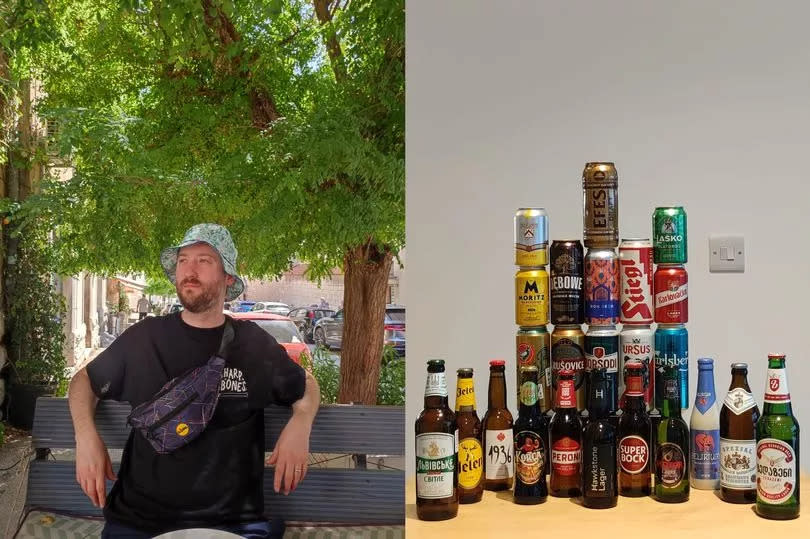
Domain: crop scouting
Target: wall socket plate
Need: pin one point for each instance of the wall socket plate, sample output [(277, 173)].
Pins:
[(726, 253)]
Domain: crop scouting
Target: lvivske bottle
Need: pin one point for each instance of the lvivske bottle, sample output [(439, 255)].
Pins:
[(530, 448), (498, 435), (738, 440), (470, 451), (704, 429), (600, 486), (671, 444)]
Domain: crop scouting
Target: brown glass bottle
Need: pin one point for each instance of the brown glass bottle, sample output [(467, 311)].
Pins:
[(470, 452), (436, 473), (738, 440), (635, 431), (530, 443), (498, 436), (566, 440)]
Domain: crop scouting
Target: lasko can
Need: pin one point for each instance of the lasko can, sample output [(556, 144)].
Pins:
[(636, 344), (602, 352), (636, 281), (533, 350), (671, 295), (669, 235), (600, 216), (531, 237), (568, 353), (601, 287), (567, 270), (531, 297), (671, 350)]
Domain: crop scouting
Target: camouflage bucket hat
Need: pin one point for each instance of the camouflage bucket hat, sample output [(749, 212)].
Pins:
[(218, 237)]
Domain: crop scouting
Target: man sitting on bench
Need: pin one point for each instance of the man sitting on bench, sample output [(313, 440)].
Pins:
[(215, 481)]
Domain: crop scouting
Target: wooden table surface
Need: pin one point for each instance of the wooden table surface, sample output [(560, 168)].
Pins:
[(704, 515)]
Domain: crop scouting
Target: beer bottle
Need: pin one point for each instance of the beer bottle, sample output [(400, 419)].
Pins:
[(634, 436), (566, 439), (498, 438), (704, 427), (436, 494), (530, 444), (671, 444), (470, 452), (777, 448), (738, 440), (600, 488)]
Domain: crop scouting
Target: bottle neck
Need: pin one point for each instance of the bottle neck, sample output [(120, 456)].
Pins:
[(777, 394), (705, 396), (497, 390), (598, 405), (739, 379), (436, 390), (465, 395), (529, 399)]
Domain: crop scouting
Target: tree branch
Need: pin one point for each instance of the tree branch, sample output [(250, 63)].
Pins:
[(331, 39)]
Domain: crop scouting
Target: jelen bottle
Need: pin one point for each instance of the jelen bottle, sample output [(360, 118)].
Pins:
[(470, 451)]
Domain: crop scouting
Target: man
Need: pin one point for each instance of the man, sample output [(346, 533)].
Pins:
[(323, 304), (143, 307), (216, 480)]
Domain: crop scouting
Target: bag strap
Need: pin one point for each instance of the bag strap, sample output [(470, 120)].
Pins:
[(227, 339)]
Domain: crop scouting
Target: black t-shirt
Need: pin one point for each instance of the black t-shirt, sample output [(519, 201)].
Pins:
[(217, 478)]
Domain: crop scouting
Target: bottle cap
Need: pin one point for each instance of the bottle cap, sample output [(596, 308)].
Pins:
[(497, 363)]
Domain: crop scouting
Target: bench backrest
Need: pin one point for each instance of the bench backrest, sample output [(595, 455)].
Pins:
[(327, 495)]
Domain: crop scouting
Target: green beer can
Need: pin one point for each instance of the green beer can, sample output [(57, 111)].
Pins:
[(669, 235)]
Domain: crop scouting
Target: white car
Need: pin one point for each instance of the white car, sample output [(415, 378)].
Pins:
[(273, 307)]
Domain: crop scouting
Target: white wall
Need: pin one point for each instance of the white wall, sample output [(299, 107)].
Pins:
[(701, 104)]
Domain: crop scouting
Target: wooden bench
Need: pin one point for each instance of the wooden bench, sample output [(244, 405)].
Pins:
[(365, 498)]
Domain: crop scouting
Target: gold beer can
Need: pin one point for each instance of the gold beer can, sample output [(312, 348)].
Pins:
[(531, 237), (532, 345), (568, 353), (531, 297), (600, 216)]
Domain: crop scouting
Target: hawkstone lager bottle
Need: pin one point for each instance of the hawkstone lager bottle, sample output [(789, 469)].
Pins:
[(530, 443), (600, 486), (777, 448), (635, 430), (671, 445), (704, 431), (738, 440), (436, 494), (565, 440), (470, 452), (498, 435)]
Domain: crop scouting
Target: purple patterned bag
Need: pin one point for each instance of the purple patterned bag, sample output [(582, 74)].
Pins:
[(181, 410)]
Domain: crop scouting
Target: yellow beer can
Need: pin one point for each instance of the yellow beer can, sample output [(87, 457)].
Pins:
[(531, 297)]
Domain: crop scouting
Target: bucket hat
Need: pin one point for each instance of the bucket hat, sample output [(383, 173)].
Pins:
[(218, 237)]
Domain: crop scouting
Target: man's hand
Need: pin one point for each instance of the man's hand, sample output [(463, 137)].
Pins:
[(290, 454), (93, 465)]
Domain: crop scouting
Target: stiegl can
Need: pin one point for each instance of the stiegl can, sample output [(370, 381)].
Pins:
[(636, 344), (531, 237), (601, 287), (636, 281), (671, 351), (531, 297), (533, 350), (568, 353), (600, 215)]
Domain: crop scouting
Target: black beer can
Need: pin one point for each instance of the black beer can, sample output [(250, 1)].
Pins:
[(567, 270)]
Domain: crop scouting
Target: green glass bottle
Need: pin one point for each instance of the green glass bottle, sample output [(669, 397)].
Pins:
[(777, 448), (671, 445)]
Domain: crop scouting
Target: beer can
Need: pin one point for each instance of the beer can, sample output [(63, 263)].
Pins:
[(636, 344), (671, 295), (671, 350), (602, 352), (566, 272), (600, 185), (635, 281), (669, 235), (531, 237), (531, 297), (601, 287), (568, 353), (533, 350)]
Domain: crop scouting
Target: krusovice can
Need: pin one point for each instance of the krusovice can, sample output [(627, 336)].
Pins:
[(636, 344), (533, 350), (636, 281), (567, 270), (531, 297), (600, 216), (568, 353), (601, 287), (531, 237), (672, 350), (669, 235), (671, 295)]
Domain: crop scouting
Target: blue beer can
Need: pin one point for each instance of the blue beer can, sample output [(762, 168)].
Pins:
[(672, 351)]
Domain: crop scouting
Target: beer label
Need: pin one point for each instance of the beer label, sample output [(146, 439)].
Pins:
[(673, 295), (704, 400), (436, 385), (738, 464), (499, 447), (599, 471), (599, 358), (566, 394), (566, 456), (636, 269), (634, 454), (776, 471), (465, 393), (470, 463), (435, 464), (739, 400), (705, 453), (568, 355), (529, 457), (636, 347), (776, 391), (525, 354), (528, 393), (670, 464)]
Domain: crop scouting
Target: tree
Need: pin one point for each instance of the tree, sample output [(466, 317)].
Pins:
[(282, 120)]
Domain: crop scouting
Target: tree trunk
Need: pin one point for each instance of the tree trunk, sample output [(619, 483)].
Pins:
[(366, 282)]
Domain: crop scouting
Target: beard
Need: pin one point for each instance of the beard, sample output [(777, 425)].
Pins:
[(200, 299)]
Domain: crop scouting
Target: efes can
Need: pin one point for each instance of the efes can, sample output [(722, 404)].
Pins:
[(533, 350), (531, 297), (600, 216), (531, 237), (568, 353), (671, 350), (601, 287), (669, 235)]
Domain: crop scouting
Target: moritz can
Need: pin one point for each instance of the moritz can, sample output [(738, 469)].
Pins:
[(669, 235), (531, 297), (671, 350), (600, 216), (601, 287), (531, 237), (568, 353), (636, 281), (602, 352), (636, 344), (567, 270), (671, 295), (533, 350)]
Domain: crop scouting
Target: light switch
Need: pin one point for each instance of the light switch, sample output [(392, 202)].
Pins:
[(726, 253)]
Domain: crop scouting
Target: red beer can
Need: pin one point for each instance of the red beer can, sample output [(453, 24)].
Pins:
[(636, 281), (671, 294)]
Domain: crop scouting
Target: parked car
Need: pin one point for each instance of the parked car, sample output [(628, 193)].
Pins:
[(242, 306), (328, 331), (306, 317), (172, 308), (274, 307), (281, 328)]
